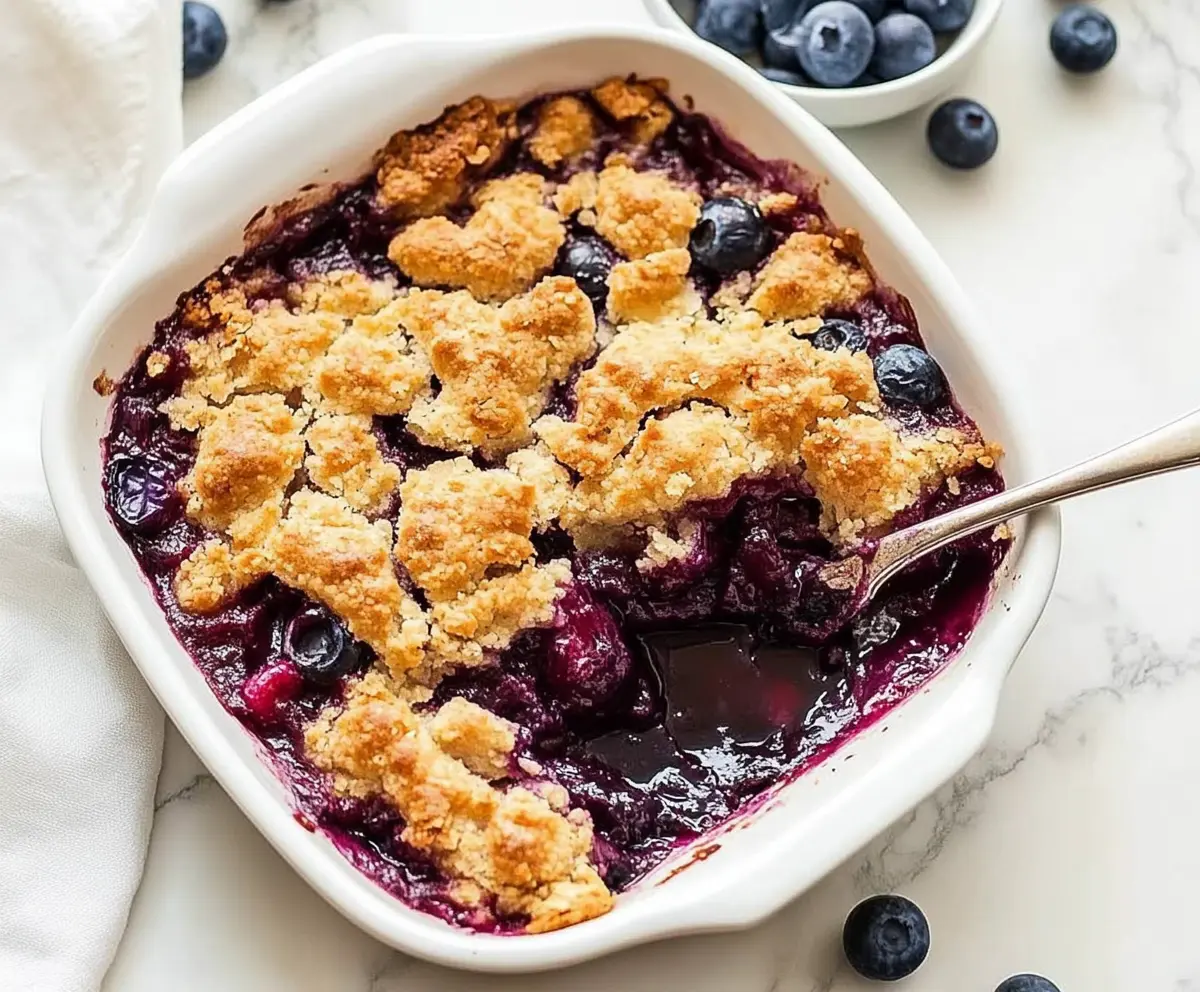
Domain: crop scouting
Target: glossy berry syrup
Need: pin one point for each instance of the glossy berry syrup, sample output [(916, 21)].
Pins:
[(663, 702)]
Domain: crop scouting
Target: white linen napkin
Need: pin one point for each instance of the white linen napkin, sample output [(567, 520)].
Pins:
[(89, 117)]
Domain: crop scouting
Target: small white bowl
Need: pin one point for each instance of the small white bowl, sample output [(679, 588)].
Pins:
[(323, 125), (855, 106)]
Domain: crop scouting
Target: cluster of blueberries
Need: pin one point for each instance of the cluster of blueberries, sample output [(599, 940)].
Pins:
[(840, 43), (886, 938)]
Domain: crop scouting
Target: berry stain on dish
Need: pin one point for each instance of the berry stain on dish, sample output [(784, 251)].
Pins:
[(490, 492)]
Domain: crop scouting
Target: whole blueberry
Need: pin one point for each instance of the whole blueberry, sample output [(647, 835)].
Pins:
[(1082, 38), (321, 647), (1027, 983), (962, 134), (834, 334), (942, 15), (908, 376), (588, 261), (778, 14), (903, 44), (885, 938), (735, 25), (204, 38), (730, 236), (141, 493), (836, 42), (587, 662), (783, 76)]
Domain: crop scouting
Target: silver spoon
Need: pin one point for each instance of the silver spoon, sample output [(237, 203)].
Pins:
[(1177, 445)]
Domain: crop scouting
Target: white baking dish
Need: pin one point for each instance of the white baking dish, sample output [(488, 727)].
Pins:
[(323, 125)]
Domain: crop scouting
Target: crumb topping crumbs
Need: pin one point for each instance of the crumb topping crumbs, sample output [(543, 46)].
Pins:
[(509, 843), (640, 213), (565, 130), (652, 287), (479, 739), (509, 241), (638, 103), (807, 274), (425, 170), (577, 194), (344, 460), (157, 362)]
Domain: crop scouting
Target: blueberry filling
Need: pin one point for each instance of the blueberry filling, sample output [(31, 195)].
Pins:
[(662, 699)]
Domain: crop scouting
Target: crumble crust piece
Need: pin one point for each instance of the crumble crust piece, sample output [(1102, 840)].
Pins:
[(805, 275), (425, 170), (510, 844), (479, 739), (510, 240), (565, 130), (638, 104), (652, 287), (640, 213), (344, 460)]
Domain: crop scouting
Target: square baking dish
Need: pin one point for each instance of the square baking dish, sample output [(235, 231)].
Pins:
[(322, 126)]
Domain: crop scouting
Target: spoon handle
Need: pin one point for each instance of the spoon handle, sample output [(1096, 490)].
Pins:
[(1176, 445)]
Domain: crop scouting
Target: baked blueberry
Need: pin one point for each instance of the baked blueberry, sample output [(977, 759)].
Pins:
[(269, 687), (735, 25), (834, 334), (962, 134), (588, 261), (1027, 983), (141, 493), (903, 44), (908, 376), (587, 662), (1082, 38), (783, 76), (321, 647), (885, 938), (204, 38), (942, 15), (730, 236), (836, 42)]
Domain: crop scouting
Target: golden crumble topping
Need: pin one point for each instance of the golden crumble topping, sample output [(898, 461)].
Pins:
[(565, 130), (510, 844), (344, 460), (805, 275), (157, 363), (342, 292), (640, 213), (550, 481), (638, 103), (652, 287), (510, 240), (458, 521), (495, 365), (425, 170), (576, 194), (480, 740)]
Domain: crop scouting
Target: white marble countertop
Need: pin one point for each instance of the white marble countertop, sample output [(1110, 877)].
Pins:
[(1068, 847)]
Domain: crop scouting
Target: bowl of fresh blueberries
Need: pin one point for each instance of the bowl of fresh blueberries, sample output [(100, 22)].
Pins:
[(848, 62)]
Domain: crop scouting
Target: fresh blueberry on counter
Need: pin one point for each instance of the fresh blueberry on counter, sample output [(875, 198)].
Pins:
[(320, 646), (735, 25), (903, 44), (836, 41), (588, 261), (885, 938), (783, 76), (1083, 39), (942, 15), (730, 236), (204, 38), (908, 376), (834, 334), (1027, 983), (962, 134)]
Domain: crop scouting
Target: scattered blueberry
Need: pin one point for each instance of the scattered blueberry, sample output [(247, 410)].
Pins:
[(141, 493), (962, 134), (204, 38), (731, 236), (587, 662), (942, 15), (834, 334), (588, 261), (885, 938), (320, 646), (874, 9), (1083, 39), (903, 44), (783, 76), (908, 376), (1027, 983), (836, 41), (271, 685), (735, 25)]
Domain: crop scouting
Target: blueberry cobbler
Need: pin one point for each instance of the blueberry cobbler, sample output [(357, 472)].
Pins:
[(493, 493)]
